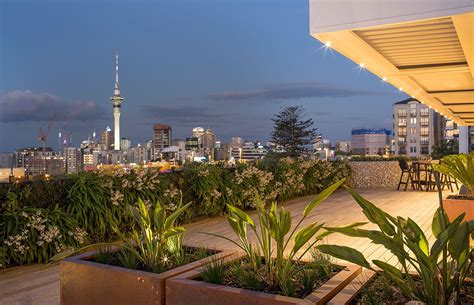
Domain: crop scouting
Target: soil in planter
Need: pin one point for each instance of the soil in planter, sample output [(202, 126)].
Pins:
[(379, 290), (125, 259), (239, 274), (460, 197)]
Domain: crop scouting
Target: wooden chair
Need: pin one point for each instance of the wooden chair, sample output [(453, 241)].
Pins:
[(408, 170)]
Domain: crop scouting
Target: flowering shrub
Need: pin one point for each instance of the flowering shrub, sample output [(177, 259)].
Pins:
[(35, 235), (97, 203)]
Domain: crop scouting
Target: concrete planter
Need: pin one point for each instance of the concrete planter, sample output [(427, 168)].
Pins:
[(184, 290), (455, 207), (85, 282)]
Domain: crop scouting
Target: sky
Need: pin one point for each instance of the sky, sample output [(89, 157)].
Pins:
[(220, 64)]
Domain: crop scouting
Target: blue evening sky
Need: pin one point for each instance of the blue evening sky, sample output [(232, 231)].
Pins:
[(227, 65)]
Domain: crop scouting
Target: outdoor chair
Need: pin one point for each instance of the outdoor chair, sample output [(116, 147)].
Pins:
[(408, 170)]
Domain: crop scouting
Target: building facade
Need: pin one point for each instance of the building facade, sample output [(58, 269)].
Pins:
[(162, 138), (249, 151), (416, 128), (107, 139), (370, 141)]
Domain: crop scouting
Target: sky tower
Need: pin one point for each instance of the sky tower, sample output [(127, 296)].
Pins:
[(116, 102)]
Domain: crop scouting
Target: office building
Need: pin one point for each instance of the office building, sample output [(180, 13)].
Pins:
[(73, 159), (107, 139), (125, 144), (416, 128), (162, 138), (249, 151), (370, 141), (343, 146)]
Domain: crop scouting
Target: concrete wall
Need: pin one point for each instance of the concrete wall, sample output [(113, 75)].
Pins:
[(366, 174), (335, 15)]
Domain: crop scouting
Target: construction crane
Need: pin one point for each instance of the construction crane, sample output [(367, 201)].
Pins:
[(43, 137)]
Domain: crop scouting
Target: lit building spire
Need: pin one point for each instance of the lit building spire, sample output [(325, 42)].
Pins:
[(116, 102), (117, 87)]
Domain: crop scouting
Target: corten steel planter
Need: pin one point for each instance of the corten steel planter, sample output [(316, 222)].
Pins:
[(185, 290), (84, 282), (352, 289), (455, 207)]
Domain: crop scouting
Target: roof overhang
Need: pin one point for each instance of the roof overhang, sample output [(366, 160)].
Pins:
[(425, 48)]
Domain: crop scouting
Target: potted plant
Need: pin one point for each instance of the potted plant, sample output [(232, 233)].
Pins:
[(134, 270), (461, 168), (269, 271), (431, 275)]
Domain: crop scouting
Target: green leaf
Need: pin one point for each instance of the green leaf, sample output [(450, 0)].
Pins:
[(420, 236), (345, 253), (437, 224), (322, 196), (459, 241), (304, 235), (389, 269), (374, 214), (172, 218), (238, 213)]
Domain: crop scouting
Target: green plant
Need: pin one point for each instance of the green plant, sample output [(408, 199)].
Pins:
[(154, 238), (461, 168), (214, 271), (275, 229), (441, 268)]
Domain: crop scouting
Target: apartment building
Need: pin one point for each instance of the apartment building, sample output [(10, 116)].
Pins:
[(416, 128)]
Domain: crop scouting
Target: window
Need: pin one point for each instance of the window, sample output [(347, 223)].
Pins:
[(402, 151), (402, 131), (424, 131), (424, 150), (413, 149), (402, 140), (424, 140), (413, 130), (413, 121), (402, 122), (402, 112), (424, 121), (424, 111), (413, 140), (413, 112)]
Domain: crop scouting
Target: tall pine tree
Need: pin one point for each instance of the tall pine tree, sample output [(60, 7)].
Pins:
[(293, 131)]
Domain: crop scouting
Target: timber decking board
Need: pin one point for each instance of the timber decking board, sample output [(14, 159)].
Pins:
[(39, 284)]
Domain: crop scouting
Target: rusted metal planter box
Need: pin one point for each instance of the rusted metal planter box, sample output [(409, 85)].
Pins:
[(455, 207), (84, 282), (184, 290)]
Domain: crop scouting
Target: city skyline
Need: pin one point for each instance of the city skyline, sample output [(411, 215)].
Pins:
[(233, 79)]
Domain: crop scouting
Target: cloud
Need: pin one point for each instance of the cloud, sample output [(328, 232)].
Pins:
[(295, 90), (180, 114), (24, 105)]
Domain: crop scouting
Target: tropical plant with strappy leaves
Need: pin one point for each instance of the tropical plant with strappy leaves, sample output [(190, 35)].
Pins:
[(275, 238), (441, 268), (461, 168)]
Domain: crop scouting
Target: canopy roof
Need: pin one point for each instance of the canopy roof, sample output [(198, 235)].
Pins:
[(430, 59)]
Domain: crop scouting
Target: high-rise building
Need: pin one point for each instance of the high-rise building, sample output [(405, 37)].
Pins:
[(208, 142), (117, 100), (416, 128), (370, 141), (23, 155), (162, 138), (125, 144), (107, 139), (73, 160), (39, 165), (7, 160)]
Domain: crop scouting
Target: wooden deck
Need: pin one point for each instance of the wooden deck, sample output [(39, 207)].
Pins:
[(39, 284)]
